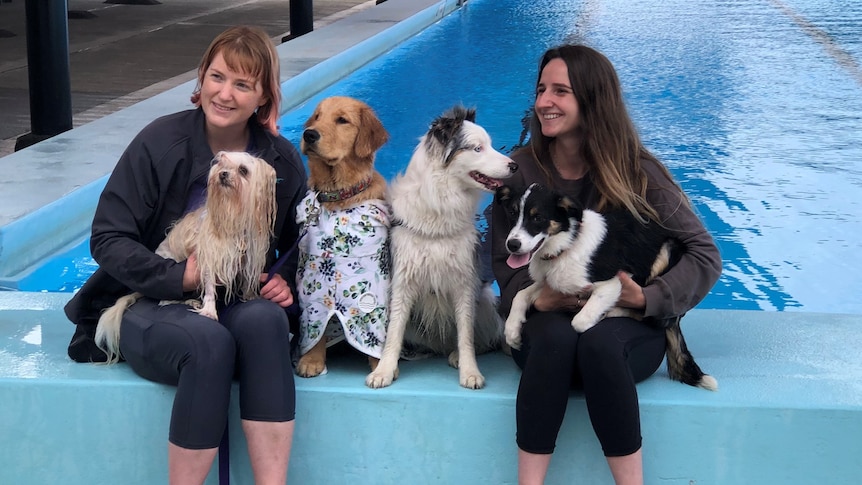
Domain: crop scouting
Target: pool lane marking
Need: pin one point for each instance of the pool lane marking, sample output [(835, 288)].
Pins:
[(841, 56)]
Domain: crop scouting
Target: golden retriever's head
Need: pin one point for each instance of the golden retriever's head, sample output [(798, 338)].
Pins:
[(342, 130)]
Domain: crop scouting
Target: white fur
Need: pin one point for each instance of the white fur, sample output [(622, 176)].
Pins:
[(562, 261), (434, 260)]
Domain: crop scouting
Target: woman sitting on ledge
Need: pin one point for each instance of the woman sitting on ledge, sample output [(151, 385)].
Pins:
[(161, 176), (583, 143)]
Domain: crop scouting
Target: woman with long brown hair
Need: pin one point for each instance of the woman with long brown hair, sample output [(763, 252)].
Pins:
[(584, 144)]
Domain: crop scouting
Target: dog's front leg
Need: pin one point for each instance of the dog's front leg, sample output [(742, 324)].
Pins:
[(312, 363), (518, 314), (209, 297), (386, 371), (604, 296), (465, 359)]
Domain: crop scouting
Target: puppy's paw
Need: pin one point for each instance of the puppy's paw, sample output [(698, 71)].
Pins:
[(581, 324), (472, 380), (381, 378), (310, 365), (513, 334), (208, 311), (194, 303)]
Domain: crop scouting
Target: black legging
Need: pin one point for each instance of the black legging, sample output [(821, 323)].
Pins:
[(172, 345), (605, 361)]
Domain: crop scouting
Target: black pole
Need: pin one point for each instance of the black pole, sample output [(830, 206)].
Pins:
[(48, 70), (301, 18)]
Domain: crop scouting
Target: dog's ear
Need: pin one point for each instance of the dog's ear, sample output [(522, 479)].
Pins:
[(371, 135), (503, 194), (444, 129), (570, 207), (461, 113), (447, 126), (312, 118)]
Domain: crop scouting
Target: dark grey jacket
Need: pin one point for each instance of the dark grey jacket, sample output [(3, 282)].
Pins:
[(146, 192)]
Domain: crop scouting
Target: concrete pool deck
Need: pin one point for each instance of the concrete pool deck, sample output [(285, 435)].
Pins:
[(121, 54)]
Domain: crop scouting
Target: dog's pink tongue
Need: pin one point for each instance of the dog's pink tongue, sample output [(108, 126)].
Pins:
[(518, 260)]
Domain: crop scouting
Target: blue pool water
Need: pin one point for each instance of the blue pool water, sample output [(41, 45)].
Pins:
[(756, 107)]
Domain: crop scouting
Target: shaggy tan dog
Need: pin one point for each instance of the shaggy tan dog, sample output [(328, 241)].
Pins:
[(229, 234), (347, 240)]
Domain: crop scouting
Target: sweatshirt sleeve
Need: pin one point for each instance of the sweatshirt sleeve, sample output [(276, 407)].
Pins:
[(689, 281), (123, 215)]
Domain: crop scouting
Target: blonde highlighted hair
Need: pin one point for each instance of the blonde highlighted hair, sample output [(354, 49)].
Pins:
[(248, 50)]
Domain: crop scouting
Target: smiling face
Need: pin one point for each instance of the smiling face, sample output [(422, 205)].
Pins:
[(556, 106), (228, 98)]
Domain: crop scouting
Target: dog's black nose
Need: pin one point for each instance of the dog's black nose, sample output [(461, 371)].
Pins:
[(223, 176), (513, 167), (310, 136), (513, 245)]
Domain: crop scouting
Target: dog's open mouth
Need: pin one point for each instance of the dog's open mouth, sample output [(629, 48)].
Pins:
[(489, 183), (516, 261)]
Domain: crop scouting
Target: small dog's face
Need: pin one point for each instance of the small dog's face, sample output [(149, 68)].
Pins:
[(536, 215), (342, 128), (239, 182)]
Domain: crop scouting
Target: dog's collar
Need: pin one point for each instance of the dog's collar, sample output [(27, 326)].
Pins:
[(336, 195)]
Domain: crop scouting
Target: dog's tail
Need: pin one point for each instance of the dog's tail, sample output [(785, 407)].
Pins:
[(108, 329), (681, 365)]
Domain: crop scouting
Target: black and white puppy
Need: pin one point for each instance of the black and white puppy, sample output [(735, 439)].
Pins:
[(576, 250)]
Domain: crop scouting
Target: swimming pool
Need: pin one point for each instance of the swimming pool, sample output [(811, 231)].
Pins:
[(755, 107)]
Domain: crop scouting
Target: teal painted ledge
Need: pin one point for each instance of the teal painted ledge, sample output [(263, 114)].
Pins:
[(789, 411)]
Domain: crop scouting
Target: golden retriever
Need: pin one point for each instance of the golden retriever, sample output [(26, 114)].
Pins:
[(343, 275)]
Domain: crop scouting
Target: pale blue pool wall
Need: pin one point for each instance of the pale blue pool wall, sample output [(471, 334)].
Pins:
[(49, 191)]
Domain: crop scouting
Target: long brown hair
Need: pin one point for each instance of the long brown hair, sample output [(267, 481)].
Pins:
[(248, 50), (611, 146)]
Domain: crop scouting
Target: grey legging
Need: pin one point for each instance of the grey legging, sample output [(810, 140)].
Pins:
[(605, 361), (175, 346)]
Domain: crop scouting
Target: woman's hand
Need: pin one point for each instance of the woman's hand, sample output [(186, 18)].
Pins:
[(276, 290), (191, 275), (632, 294), (552, 300)]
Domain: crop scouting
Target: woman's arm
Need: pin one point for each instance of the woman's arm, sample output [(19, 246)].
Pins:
[(122, 223), (689, 281)]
